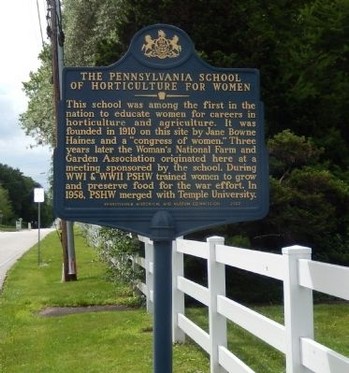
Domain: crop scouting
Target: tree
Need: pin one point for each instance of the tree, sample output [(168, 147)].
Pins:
[(6, 213), (315, 80), (19, 191), (309, 204), (38, 120), (92, 22), (289, 151)]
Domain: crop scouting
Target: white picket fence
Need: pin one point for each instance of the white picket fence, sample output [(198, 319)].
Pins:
[(300, 276)]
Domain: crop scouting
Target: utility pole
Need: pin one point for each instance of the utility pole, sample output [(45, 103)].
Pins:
[(67, 238)]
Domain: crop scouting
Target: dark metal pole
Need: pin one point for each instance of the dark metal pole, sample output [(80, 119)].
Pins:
[(162, 306), (163, 231)]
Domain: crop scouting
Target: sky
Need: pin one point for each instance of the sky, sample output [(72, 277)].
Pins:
[(20, 45)]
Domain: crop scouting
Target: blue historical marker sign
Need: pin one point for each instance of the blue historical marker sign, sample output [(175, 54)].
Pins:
[(161, 130)]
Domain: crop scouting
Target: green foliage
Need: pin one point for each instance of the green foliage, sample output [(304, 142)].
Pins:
[(310, 205), (5, 206), (18, 191), (38, 121), (117, 250), (331, 329), (238, 241), (288, 151), (315, 77), (92, 22)]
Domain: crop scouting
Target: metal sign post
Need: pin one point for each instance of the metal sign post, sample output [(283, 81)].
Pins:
[(162, 228), (39, 196)]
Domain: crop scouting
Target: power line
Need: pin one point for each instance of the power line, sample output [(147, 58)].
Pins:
[(39, 19)]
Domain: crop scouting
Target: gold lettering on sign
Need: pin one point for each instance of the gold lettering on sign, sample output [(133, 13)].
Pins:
[(154, 141)]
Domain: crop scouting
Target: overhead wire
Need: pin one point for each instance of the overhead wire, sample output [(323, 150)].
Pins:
[(39, 20)]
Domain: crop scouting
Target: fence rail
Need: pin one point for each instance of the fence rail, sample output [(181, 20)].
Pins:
[(300, 276)]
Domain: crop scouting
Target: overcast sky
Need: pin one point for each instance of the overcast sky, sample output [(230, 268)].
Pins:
[(20, 43)]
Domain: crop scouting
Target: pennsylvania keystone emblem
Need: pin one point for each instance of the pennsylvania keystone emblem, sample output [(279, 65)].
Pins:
[(161, 47)]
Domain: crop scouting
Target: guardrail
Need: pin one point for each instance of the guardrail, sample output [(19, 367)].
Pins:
[(300, 276)]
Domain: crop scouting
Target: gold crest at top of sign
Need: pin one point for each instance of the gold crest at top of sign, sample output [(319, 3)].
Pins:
[(161, 47)]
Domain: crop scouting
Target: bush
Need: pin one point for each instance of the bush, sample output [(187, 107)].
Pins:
[(117, 250)]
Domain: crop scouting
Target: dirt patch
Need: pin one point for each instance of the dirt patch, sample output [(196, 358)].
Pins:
[(61, 311)]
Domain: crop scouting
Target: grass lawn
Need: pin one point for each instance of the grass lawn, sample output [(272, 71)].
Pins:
[(331, 328), (115, 341)]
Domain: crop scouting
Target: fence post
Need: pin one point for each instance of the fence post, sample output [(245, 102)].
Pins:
[(298, 308), (178, 305), (149, 260), (216, 286)]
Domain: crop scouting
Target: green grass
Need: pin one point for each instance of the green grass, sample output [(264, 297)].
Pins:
[(115, 341), (331, 328), (7, 228)]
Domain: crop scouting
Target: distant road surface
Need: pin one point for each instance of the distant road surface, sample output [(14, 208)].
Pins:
[(14, 244)]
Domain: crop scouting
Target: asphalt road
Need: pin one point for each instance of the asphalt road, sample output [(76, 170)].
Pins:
[(14, 244)]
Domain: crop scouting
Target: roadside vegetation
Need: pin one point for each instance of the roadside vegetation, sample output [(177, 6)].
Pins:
[(6, 228), (114, 341), (17, 200)]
